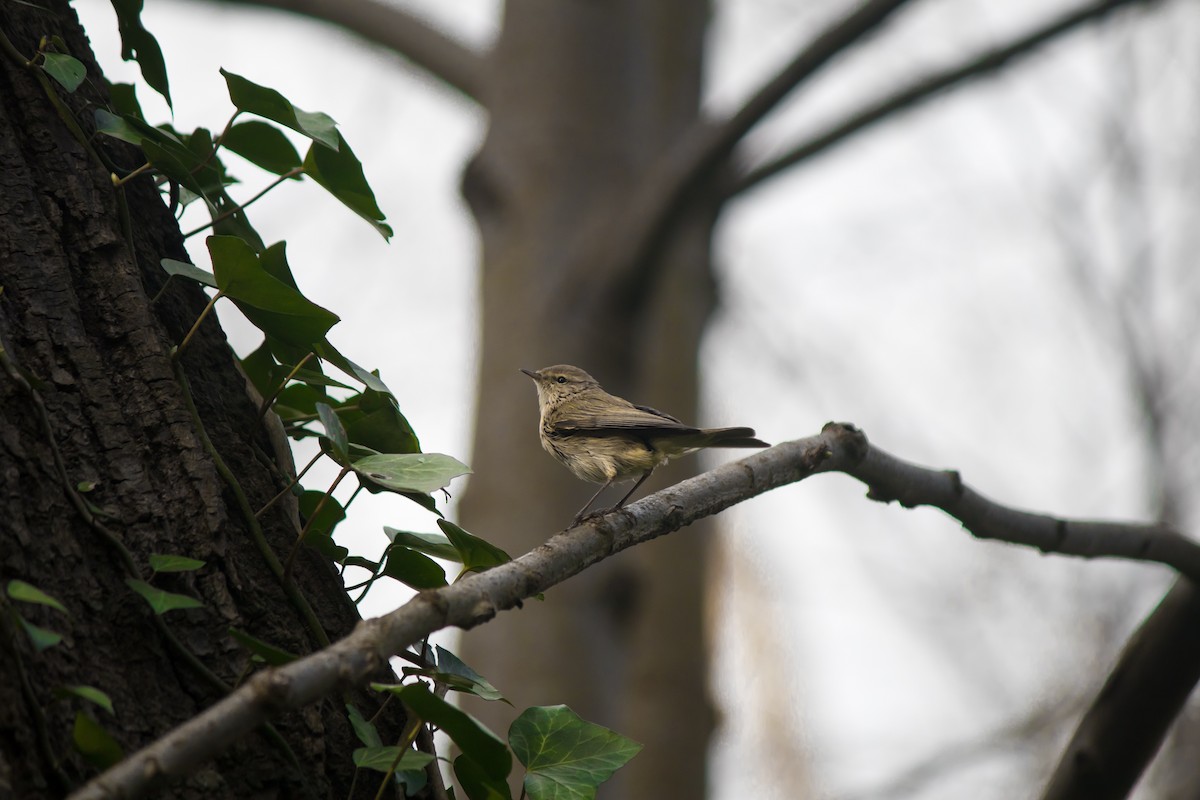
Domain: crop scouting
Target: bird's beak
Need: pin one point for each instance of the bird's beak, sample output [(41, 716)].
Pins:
[(530, 373)]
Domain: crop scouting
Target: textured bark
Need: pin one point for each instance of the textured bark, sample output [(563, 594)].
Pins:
[(76, 319), (584, 98)]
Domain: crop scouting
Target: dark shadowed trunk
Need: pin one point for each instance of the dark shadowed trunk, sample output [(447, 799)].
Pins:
[(89, 398)]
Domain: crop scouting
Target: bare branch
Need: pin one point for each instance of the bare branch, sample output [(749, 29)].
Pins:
[(646, 221), (1126, 725), (477, 598), (402, 32), (980, 66)]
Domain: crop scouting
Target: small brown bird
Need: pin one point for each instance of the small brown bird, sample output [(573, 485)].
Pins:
[(605, 439)]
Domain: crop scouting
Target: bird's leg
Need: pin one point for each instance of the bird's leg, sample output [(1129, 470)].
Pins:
[(582, 511), (629, 494)]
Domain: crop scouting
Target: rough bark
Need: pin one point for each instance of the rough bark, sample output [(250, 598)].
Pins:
[(584, 98), (89, 395)]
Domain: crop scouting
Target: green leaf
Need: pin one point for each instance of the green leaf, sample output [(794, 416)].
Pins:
[(162, 601), (381, 759), (335, 433), (565, 757), (263, 145), (262, 370), (376, 422), (115, 126), (477, 784), (327, 352), (94, 743), (28, 593), (413, 569), (169, 563), (268, 653), (364, 730), (89, 693), (411, 472), (137, 42), (458, 676), (340, 172), (254, 99), (326, 519), (186, 270), (274, 307), (123, 99), (40, 638), (450, 664), (431, 544), (274, 261), (472, 738), (475, 554), (68, 71)]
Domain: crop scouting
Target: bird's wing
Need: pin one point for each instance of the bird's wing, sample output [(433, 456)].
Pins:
[(613, 416)]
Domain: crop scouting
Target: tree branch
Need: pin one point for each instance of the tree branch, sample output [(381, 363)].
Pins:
[(400, 31), (477, 598), (646, 221), (987, 63), (1130, 717)]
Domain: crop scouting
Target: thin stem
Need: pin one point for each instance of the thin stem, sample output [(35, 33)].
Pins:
[(196, 325), (291, 559), (266, 404), (140, 170), (288, 488), (406, 741), (291, 173)]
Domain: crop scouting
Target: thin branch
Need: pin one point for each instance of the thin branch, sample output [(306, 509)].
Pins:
[(439, 54), (1132, 713), (647, 220), (478, 597), (979, 66)]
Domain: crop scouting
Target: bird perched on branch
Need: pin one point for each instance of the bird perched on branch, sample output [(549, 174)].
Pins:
[(606, 439)]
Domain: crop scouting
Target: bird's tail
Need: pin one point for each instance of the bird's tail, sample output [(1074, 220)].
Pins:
[(730, 437)]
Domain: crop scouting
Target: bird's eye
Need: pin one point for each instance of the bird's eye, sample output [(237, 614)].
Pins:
[(561, 379)]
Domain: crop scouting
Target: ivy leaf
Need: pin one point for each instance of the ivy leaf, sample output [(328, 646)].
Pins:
[(374, 420), (123, 97), (40, 638), (566, 757), (411, 472), (28, 593), (341, 173), (381, 759), (320, 528), (335, 433), (274, 307), (363, 729), (68, 71), (89, 693), (431, 544), (162, 601), (413, 569), (138, 43), (475, 554), (170, 563), (328, 352), (452, 672), (254, 99), (94, 743), (477, 784), (186, 270), (268, 653), (263, 145), (472, 738)]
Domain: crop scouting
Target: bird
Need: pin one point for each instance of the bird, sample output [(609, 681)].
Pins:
[(605, 439)]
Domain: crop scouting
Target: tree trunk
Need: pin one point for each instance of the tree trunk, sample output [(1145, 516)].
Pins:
[(88, 396), (583, 99)]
